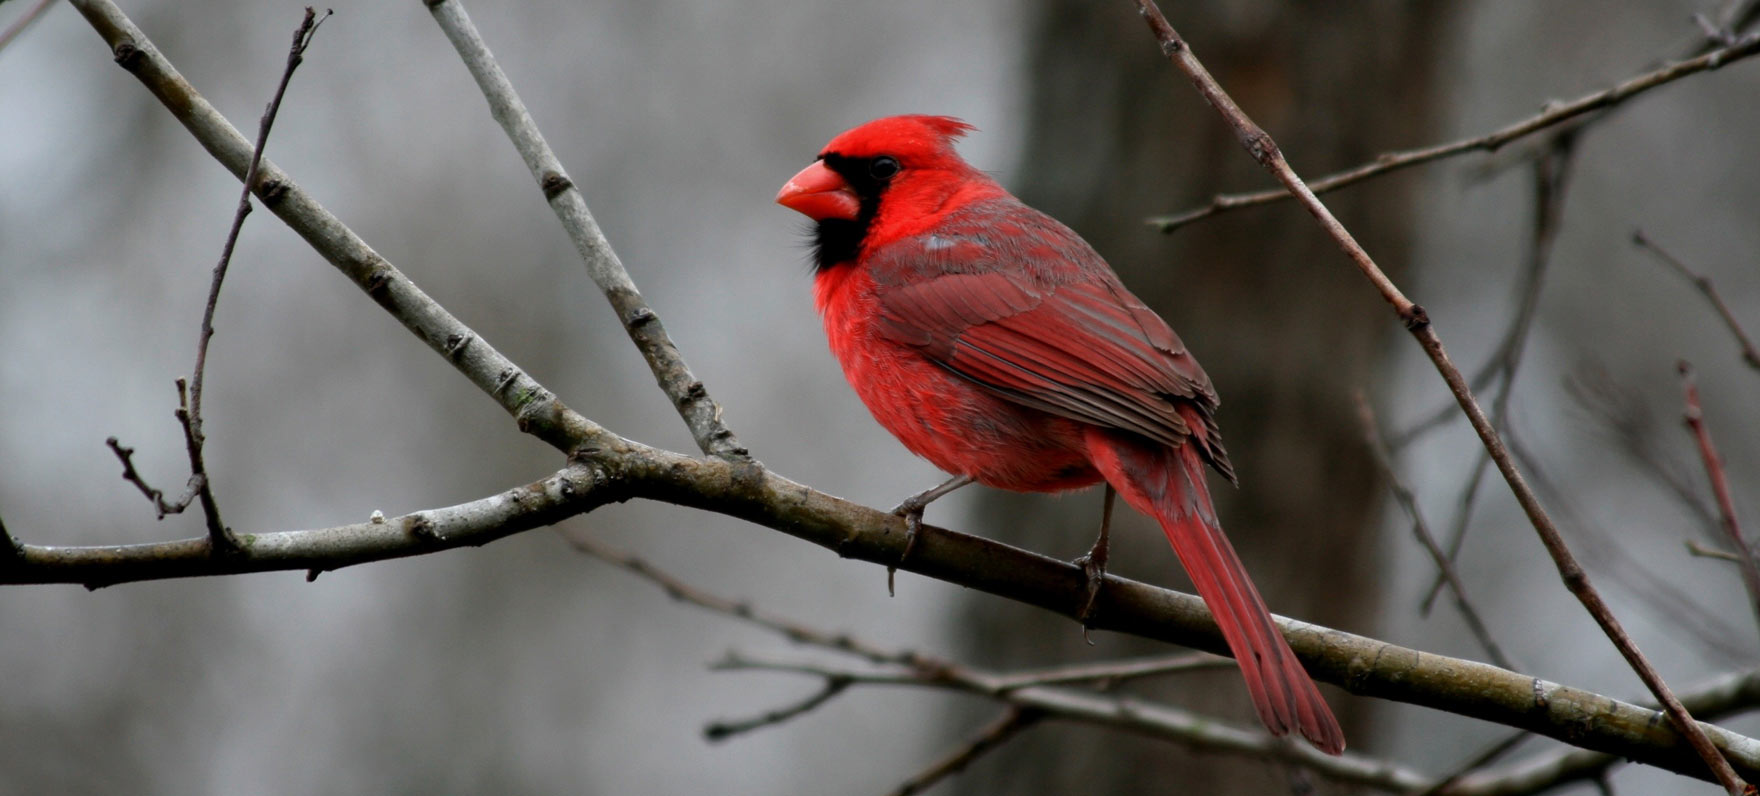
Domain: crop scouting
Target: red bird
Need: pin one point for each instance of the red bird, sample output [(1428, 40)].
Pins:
[(994, 342)]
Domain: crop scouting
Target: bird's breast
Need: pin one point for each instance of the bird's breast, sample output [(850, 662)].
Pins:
[(958, 425)]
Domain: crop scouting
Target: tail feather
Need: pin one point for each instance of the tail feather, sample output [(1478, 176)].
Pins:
[(1168, 484)]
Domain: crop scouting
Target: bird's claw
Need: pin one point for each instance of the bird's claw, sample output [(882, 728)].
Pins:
[(912, 512), (1094, 572)]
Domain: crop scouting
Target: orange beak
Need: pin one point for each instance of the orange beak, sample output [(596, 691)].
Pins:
[(819, 193)]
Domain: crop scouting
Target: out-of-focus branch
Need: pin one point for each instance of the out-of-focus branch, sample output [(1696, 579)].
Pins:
[(700, 412), (24, 21), (1553, 114), (1551, 178), (1750, 354), (1263, 149), (1726, 505), (993, 736), (1420, 528)]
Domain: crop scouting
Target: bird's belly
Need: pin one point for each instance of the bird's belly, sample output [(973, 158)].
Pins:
[(962, 427)]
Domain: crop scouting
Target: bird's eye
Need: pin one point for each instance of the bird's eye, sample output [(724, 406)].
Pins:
[(883, 168)]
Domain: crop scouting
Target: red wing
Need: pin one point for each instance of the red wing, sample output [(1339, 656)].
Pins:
[(1081, 347)]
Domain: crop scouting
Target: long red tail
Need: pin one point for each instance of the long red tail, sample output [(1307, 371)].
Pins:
[(1168, 484)]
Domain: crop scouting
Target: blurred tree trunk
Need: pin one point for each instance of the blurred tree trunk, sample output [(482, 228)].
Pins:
[(1285, 327)]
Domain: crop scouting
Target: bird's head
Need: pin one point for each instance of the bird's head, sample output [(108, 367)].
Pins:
[(889, 171)]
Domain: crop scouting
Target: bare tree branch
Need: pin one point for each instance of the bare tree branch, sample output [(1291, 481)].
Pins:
[(1553, 114), (1421, 529), (1750, 354), (1264, 150), (1551, 178), (1005, 727), (700, 412), (722, 730), (1726, 505)]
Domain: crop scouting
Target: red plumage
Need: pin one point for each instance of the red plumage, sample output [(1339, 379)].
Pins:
[(994, 342)]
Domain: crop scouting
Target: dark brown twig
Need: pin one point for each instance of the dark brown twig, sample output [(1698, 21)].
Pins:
[(723, 730), (1007, 726), (1264, 150), (1421, 529), (1726, 505), (1750, 354), (189, 393), (1553, 114)]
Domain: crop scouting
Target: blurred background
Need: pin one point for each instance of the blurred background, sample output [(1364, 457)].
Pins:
[(525, 667)]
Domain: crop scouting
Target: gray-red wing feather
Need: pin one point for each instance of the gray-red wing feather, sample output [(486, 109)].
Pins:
[(1014, 301)]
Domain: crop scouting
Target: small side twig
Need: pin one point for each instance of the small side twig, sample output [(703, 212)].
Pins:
[(1750, 354), (11, 550), (1264, 149), (1421, 529), (1005, 727), (1699, 549), (1726, 506), (678, 589), (199, 487), (722, 730), (1554, 113)]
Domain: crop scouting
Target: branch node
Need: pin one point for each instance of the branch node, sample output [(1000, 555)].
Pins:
[(554, 183), (127, 55), (1415, 318)]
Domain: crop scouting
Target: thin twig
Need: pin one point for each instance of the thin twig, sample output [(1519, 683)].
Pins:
[(1128, 714), (1621, 412), (1484, 758), (1699, 549), (1551, 178), (1726, 505), (1005, 727), (11, 551), (1750, 354), (1674, 610), (1421, 529), (24, 21), (1264, 150), (678, 589), (1552, 114), (722, 730), (1110, 674), (701, 414)]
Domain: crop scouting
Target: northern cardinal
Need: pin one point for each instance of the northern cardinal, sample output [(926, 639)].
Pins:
[(994, 342)]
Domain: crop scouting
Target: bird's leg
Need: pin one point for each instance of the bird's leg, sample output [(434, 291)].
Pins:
[(1094, 563), (912, 512)]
